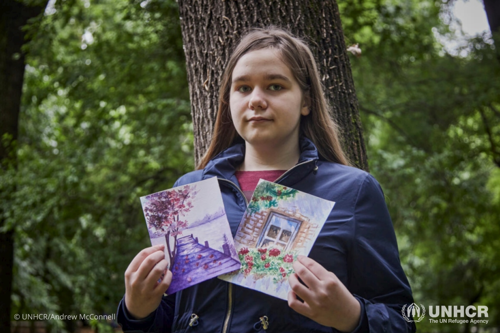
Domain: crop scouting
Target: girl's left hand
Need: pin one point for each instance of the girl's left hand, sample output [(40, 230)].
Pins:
[(326, 300)]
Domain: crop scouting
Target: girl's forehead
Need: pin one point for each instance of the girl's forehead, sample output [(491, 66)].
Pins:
[(264, 54), (260, 61)]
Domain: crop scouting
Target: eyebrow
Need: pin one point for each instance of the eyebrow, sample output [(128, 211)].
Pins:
[(267, 77)]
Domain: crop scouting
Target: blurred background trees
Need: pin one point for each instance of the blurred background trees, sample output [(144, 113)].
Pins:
[(432, 126), (13, 17), (105, 118)]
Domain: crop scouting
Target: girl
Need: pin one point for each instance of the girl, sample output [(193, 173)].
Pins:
[(273, 123)]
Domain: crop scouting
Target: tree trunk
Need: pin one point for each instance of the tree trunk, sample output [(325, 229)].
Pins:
[(13, 16), (170, 252), (210, 30), (492, 8), (174, 252)]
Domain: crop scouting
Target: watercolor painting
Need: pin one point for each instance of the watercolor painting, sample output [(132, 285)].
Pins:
[(279, 224), (191, 222)]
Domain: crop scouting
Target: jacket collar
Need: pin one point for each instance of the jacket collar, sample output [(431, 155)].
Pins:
[(225, 163)]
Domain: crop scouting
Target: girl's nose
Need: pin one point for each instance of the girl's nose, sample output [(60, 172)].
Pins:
[(257, 100)]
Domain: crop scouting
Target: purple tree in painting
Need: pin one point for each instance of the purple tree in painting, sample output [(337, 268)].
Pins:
[(164, 211)]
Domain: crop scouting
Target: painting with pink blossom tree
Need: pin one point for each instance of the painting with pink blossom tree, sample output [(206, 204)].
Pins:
[(191, 222), (279, 224)]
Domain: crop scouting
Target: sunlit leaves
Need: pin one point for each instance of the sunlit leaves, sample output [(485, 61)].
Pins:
[(105, 119), (427, 116)]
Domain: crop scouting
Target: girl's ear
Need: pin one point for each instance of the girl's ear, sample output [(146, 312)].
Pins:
[(305, 110)]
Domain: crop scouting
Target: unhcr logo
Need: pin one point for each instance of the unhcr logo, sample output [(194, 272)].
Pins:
[(413, 313)]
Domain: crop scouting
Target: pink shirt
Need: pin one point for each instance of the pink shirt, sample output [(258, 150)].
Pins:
[(248, 179)]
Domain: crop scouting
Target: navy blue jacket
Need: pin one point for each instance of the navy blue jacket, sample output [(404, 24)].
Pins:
[(357, 243)]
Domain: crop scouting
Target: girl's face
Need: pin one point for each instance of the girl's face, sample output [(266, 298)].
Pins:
[(266, 101)]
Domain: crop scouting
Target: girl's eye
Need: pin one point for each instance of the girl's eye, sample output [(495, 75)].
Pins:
[(275, 87), (244, 89)]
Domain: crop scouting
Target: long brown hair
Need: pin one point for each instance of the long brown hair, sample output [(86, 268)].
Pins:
[(317, 126)]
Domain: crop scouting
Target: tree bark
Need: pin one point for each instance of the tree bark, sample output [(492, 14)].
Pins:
[(14, 15), (170, 252), (211, 29), (492, 8)]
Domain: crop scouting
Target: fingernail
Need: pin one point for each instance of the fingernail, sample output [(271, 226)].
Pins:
[(159, 246)]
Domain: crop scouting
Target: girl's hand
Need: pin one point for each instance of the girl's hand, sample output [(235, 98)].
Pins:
[(143, 293), (326, 300)]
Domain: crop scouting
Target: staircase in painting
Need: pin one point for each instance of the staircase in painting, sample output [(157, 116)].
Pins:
[(196, 262)]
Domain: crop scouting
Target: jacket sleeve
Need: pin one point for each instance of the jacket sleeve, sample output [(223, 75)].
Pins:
[(160, 321), (377, 279)]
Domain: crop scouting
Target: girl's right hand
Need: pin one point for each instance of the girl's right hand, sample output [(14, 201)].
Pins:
[(143, 293)]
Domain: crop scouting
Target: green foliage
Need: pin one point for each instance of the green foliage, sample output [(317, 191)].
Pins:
[(432, 128), (267, 195), (105, 119)]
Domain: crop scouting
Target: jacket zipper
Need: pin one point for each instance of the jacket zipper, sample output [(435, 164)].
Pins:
[(308, 161), (229, 307), (230, 289), (236, 187)]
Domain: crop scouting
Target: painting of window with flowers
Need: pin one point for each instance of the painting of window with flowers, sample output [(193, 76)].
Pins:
[(279, 231), (279, 224)]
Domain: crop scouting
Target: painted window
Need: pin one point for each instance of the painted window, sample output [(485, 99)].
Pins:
[(279, 232)]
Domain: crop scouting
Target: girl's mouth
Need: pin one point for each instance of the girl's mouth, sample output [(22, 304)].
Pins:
[(258, 119)]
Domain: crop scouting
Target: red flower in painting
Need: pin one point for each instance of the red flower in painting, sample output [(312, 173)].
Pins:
[(262, 250), (282, 270), (243, 251), (267, 265), (247, 271), (263, 257), (248, 258), (274, 252), (288, 258), (283, 274), (199, 256)]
